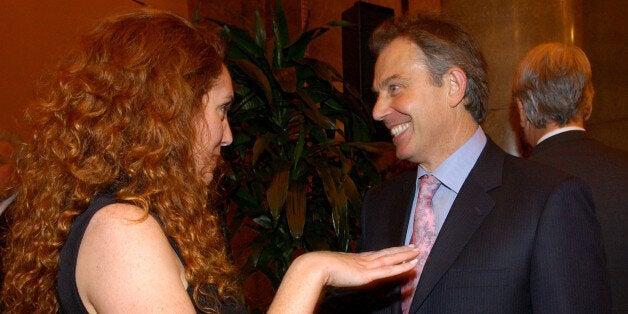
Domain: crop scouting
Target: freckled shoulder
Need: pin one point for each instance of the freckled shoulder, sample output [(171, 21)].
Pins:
[(125, 261)]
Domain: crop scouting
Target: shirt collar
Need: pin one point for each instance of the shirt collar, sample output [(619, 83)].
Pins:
[(455, 169), (558, 131)]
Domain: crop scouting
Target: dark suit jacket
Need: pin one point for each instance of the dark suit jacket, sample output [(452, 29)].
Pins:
[(518, 238), (605, 170)]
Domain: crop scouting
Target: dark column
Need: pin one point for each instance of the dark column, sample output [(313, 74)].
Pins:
[(357, 59)]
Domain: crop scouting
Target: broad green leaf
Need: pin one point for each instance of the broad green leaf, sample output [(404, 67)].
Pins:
[(353, 105), (340, 213), (278, 47), (311, 111), (382, 154), (260, 30), (260, 145), (360, 131), (256, 249), (324, 70), (244, 41), (255, 74), (330, 176), (299, 47), (277, 191), (196, 20), (264, 221), (351, 191), (300, 173), (313, 128), (246, 200), (329, 182), (287, 78), (247, 101), (240, 138), (295, 209), (282, 23), (345, 163)]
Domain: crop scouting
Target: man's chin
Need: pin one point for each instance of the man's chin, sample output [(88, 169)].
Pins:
[(401, 155)]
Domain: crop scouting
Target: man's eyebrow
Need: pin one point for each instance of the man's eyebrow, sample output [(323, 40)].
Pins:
[(386, 82)]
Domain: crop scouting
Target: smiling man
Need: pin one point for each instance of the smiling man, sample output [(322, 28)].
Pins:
[(498, 234)]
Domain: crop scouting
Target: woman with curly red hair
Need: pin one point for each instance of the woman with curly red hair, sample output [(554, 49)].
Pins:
[(117, 206)]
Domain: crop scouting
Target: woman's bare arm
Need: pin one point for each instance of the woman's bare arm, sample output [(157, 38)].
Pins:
[(310, 273)]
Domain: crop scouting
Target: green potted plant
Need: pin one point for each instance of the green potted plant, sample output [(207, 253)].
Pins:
[(301, 159)]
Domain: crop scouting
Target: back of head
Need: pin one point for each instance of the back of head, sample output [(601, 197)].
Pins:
[(124, 102), (445, 45), (553, 83), (119, 111)]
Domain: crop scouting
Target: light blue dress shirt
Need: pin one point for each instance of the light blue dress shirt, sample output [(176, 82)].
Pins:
[(451, 173)]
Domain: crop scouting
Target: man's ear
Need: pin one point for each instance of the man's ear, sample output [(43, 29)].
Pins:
[(523, 120), (457, 86), (588, 112)]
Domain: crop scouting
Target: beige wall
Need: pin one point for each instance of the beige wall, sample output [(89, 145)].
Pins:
[(506, 30), (34, 33)]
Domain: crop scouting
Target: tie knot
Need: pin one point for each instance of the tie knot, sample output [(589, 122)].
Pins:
[(428, 186)]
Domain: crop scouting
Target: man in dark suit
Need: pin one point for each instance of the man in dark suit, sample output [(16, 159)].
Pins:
[(511, 236), (553, 91)]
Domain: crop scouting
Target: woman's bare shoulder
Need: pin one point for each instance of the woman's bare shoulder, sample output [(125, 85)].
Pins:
[(125, 261)]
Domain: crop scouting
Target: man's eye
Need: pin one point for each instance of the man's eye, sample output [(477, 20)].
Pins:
[(393, 88)]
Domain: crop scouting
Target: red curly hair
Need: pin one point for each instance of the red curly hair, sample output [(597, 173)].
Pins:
[(119, 111)]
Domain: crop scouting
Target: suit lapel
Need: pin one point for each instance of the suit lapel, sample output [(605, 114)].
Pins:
[(465, 217), (394, 205), (399, 219), (388, 209)]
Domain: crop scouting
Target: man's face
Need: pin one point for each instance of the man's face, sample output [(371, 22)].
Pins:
[(412, 108)]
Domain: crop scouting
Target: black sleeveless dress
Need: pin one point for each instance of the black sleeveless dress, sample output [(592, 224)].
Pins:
[(69, 299)]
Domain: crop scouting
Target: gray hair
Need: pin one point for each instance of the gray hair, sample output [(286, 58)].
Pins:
[(553, 83)]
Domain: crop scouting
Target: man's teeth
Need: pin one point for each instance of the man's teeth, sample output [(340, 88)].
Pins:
[(400, 128)]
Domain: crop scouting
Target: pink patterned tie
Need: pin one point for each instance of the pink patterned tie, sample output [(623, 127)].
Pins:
[(423, 234)]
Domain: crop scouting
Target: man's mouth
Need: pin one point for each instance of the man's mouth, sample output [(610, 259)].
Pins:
[(399, 128)]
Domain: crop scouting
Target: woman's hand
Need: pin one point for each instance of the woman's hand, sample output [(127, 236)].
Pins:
[(310, 273), (350, 269)]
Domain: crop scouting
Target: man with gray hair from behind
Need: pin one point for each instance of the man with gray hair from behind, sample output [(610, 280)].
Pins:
[(553, 92)]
